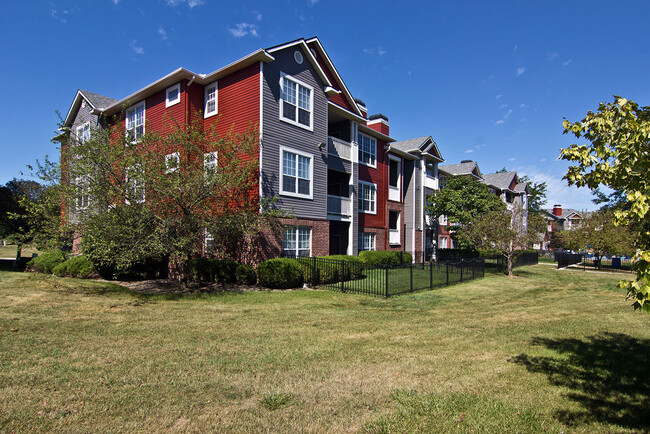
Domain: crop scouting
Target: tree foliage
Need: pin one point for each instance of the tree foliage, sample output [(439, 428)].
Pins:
[(536, 194), (462, 200), (616, 155)]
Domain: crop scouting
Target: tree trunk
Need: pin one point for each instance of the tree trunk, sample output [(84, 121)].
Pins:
[(19, 253), (509, 265)]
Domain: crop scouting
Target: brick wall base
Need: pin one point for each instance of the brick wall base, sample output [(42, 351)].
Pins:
[(320, 234)]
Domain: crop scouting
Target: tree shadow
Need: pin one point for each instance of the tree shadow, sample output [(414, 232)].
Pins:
[(606, 374)]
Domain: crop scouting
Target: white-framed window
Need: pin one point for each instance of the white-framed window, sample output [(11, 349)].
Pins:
[(172, 162), (173, 95), (83, 133), (366, 241), (430, 169), (296, 169), (394, 178), (209, 242), (367, 197), (296, 241), (211, 100), (442, 220), (135, 185), (82, 196), (296, 102), (210, 160), (367, 149), (443, 242), (135, 122)]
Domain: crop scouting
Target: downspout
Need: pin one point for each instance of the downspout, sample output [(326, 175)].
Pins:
[(187, 102), (386, 188)]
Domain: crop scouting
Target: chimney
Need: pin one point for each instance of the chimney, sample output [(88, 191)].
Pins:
[(379, 122), (557, 210), (362, 107)]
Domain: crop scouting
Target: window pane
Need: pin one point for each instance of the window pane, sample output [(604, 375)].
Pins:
[(303, 186), (289, 91), (288, 163), (289, 184), (303, 117), (303, 167), (289, 111), (303, 97)]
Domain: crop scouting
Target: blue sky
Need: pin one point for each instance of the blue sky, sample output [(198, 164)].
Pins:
[(488, 80)]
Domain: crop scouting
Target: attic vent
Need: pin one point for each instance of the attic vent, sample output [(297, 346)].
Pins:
[(313, 51), (83, 103), (297, 56)]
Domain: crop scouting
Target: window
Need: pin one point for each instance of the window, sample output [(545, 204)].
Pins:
[(394, 181), (431, 170), (393, 228), (443, 243), (210, 164), (366, 241), (83, 133), (135, 122), (367, 149), (82, 197), (172, 162), (209, 242), (210, 108), (135, 185), (296, 102), (367, 197), (173, 95), (297, 241), (296, 170)]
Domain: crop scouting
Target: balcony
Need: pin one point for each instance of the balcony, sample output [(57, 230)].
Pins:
[(338, 205), (393, 237), (394, 194), (339, 148)]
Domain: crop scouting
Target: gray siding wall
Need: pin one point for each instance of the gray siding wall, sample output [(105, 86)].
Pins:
[(417, 175), (276, 133), (427, 193), (83, 116), (409, 202)]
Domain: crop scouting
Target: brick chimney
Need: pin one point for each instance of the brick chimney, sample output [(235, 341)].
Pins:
[(362, 107), (557, 210), (379, 122)]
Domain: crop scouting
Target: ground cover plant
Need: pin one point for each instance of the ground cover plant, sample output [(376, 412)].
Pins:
[(552, 350)]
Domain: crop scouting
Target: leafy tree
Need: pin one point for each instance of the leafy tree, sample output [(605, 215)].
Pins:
[(462, 200), (598, 233), (616, 156), (173, 186), (502, 230), (536, 194)]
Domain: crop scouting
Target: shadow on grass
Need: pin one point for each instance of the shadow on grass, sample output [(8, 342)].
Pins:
[(606, 374)]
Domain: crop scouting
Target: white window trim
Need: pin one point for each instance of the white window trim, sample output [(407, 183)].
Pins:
[(371, 236), (215, 154), (360, 193), (374, 166), (399, 175), (311, 174), (284, 76), (81, 183), (206, 113), (168, 102), (80, 130), (296, 228), (144, 187), (144, 119), (177, 157), (208, 237)]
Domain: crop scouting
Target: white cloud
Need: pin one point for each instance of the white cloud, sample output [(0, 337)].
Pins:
[(115, 2), (469, 151), (258, 16), (242, 29), (521, 70), (162, 33), (189, 3), (410, 73), (60, 15), (499, 122), (507, 115), (511, 159), (522, 105), (482, 145), (312, 2), (516, 46), (541, 160), (503, 106), (379, 50), (566, 63), (136, 49), (551, 56), (558, 192), (498, 96)]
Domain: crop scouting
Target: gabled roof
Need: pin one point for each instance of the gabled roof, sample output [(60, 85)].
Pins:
[(566, 213), (467, 168), (96, 101), (522, 187), (500, 180), (307, 52), (417, 146)]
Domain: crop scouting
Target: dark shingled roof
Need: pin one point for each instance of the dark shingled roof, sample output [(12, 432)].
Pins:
[(96, 100), (410, 144), (460, 169), (378, 116), (501, 180)]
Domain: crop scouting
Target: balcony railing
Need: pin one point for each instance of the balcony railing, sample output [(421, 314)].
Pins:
[(394, 194), (339, 148), (393, 237), (339, 205)]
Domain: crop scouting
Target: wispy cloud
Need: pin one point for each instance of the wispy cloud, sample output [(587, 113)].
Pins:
[(61, 15), (499, 122), (370, 50), (163, 33), (521, 70), (511, 159), (558, 191), (136, 49), (469, 151), (312, 2), (257, 15), (507, 115), (522, 105), (243, 29), (566, 63), (503, 106), (551, 56), (479, 146), (189, 3), (515, 48), (115, 2), (498, 96)]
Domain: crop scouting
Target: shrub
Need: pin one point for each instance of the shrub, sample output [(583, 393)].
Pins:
[(212, 270), (226, 270), (385, 257), (46, 262), (246, 275), (77, 266), (280, 273)]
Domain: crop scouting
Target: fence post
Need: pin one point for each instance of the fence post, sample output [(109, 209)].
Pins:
[(447, 264), (342, 277), (430, 276), (411, 268), (461, 270), (386, 289), (313, 273)]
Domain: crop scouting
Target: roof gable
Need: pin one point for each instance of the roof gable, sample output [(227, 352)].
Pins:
[(501, 180), (467, 168), (308, 54), (95, 100)]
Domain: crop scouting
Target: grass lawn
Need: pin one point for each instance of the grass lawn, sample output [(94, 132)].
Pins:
[(9, 251), (548, 350)]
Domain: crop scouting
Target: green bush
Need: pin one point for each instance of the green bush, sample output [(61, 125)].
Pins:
[(226, 271), (212, 270), (246, 275), (46, 262), (77, 266), (385, 257), (280, 273)]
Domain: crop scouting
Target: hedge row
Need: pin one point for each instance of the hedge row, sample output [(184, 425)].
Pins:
[(55, 262), (220, 271)]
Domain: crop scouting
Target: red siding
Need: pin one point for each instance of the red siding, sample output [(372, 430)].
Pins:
[(376, 176), (336, 99), (379, 126)]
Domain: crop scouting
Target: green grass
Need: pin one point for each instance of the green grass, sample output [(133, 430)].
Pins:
[(9, 251), (548, 350)]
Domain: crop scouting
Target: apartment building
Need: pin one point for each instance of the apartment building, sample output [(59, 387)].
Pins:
[(345, 182)]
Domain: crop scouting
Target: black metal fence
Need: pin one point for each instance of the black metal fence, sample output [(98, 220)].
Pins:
[(387, 280), (580, 260)]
